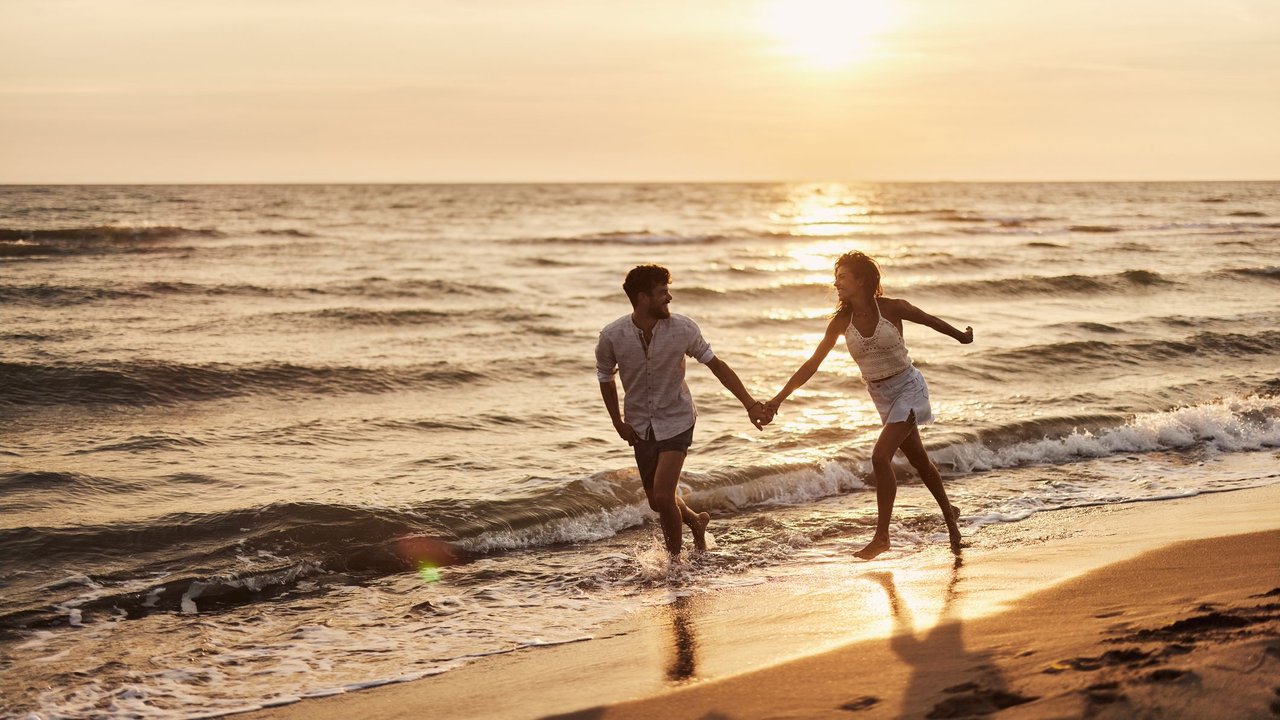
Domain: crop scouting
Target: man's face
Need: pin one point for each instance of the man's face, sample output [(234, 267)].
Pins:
[(659, 302)]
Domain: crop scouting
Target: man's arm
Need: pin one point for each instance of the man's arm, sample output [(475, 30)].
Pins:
[(729, 379), (606, 367), (609, 391), (907, 311)]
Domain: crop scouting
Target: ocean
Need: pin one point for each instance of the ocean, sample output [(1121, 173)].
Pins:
[(260, 443)]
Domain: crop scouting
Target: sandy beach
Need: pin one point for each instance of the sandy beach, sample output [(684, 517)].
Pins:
[(1165, 609)]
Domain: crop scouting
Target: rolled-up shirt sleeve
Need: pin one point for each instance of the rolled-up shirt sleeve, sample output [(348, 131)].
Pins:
[(699, 349), (606, 362)]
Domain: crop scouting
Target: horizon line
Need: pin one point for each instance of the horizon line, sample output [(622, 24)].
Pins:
[(624, 182)]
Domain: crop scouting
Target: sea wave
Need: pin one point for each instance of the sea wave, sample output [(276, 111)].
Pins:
[(1253, 273), (285, 232), (647, 237), (1228, 425), (382, 287), (633, 237), (78, 240), (1126, 281), (1096, 228), (44, 294), (52, 295), (940, 262), (293, 541), (1079, 354), (353, 317), (364, 317), (159, 383), (49, 295)]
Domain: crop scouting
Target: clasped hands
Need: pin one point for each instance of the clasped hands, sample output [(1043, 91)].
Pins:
[(761, 413)]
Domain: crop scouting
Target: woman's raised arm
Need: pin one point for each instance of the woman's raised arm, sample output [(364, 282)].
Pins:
[(907, 311)]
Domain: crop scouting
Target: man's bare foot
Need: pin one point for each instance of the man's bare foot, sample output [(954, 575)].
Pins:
[(699, 528), (873, 548), (953, 531)]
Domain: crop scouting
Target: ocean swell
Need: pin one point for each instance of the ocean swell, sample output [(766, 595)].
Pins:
[(159, 383)]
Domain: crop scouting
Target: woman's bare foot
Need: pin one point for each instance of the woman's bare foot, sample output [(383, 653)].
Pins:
[(873, 548), (699, 527)]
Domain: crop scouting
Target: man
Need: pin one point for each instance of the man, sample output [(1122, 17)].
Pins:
[(647, 348)]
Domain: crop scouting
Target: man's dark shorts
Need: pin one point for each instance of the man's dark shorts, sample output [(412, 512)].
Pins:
[(647, 451)]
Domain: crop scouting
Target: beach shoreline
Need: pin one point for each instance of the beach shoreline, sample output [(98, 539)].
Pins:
[(754, 651)]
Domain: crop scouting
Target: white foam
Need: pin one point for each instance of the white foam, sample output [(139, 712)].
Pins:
[(38, 639), (189, 598), (789, 487), (1230, 425), (582, 528)]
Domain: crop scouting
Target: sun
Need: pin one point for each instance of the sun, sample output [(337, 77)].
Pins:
[(828, 34)]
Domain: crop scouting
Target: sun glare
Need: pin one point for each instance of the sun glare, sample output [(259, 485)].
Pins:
[(828, 34)]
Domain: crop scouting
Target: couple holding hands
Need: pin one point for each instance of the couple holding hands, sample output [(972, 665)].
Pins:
[(647, 348)]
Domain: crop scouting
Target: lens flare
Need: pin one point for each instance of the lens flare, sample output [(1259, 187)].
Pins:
[(427, 556)]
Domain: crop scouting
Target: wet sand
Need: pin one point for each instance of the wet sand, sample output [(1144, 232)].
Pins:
[(1168, 609)]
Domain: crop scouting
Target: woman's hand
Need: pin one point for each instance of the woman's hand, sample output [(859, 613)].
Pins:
[(966, 337)]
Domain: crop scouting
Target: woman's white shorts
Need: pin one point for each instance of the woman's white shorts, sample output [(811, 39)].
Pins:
[(899, 396)]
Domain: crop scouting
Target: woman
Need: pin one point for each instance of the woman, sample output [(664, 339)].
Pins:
[(872, 326)]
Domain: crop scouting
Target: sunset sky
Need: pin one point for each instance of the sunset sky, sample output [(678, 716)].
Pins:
[(571, 90)]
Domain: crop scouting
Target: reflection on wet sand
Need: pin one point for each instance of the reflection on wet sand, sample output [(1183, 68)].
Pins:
[(682, 663)]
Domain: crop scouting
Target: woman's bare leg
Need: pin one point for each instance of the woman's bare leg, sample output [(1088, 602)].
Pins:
[(891, 438), (913, 448)]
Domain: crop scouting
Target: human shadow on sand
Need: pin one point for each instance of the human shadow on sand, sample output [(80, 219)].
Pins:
[(937, 655)]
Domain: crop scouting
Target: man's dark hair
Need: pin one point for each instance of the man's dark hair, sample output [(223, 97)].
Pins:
[(643, 279)]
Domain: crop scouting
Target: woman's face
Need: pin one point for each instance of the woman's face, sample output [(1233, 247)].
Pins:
[(845, 283)]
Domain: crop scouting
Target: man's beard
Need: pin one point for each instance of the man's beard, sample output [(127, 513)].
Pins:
[(660, 312)]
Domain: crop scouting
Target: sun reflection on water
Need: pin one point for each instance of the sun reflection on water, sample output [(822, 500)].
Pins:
[(824, 210), (835, 411)]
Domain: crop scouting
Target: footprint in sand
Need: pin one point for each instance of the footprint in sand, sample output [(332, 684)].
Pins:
[(863, 703), (973, 699), (1104, 693), (1164, 675), (1127, 656)]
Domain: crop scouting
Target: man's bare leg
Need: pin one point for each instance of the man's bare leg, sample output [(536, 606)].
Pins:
[(913, 448), (697, 522), (664, 501), (891, 438)]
